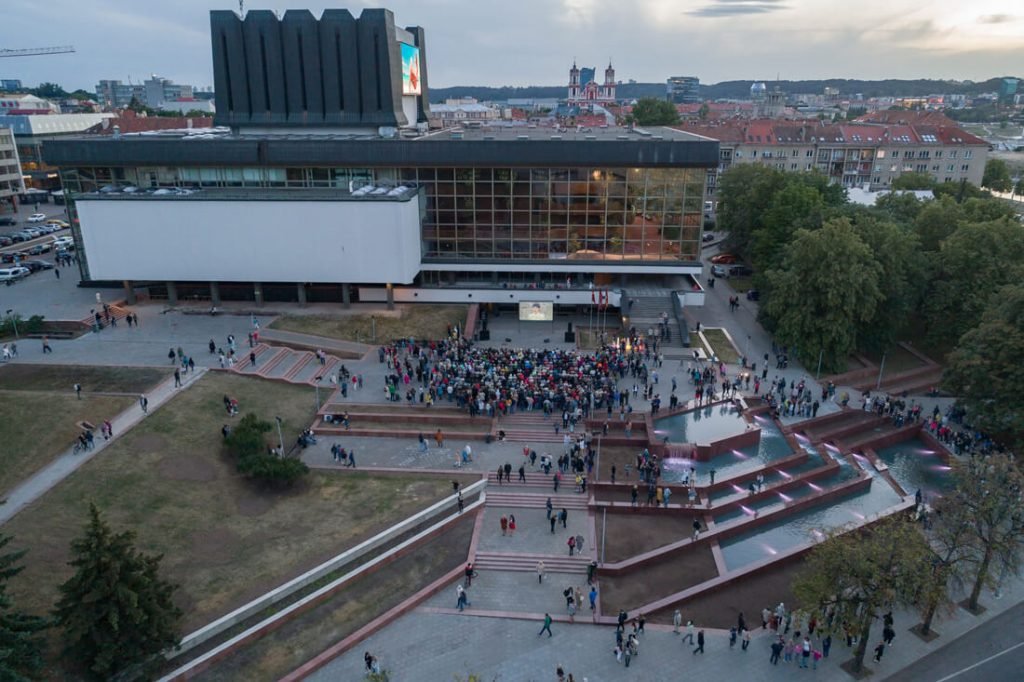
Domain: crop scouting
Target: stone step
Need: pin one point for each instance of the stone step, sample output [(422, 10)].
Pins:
[(496, 561), (497, 499)]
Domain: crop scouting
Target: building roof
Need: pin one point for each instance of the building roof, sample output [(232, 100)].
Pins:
[(856, 133), (53, 124), (140, 124)]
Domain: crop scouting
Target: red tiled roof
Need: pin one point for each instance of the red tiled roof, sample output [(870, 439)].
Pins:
[(141, 124)]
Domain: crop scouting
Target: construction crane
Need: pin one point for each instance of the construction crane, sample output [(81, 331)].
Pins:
[(32, 51)]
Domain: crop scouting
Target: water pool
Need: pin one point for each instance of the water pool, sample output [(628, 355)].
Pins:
[(704, 426), (773, 446), (769, 540), (915, 466), (780, 498)]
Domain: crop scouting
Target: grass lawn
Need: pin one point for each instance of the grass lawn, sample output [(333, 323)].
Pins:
[(130, 380), (741, 284), (352, 607), (224, 540), (35, 427), (720, 345), (897, 359), (419, 321)]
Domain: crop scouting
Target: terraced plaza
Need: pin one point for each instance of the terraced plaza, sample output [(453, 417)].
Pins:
[(366, 554)]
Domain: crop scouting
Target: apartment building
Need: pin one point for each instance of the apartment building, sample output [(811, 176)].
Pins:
[(855, 154), (11, 184)]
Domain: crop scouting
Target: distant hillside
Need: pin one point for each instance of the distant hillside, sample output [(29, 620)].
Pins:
[(736, 89)]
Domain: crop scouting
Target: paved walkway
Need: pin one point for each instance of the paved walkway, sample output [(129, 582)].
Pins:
[(437, 643), (67, 463)]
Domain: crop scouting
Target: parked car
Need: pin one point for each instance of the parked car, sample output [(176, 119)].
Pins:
[(40, 249), (11, 256), (725, 258), (718, 271), (8, 220), (37, 217), (5, 240), (741, 271), (709, 236), (59, 224), (37, 265), (33, 232), (63, 240), (47, 229), (13, 274), (753, 295)]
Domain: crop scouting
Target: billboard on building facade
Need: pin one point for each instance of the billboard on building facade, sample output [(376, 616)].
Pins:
[(536, 311), (410, 70)]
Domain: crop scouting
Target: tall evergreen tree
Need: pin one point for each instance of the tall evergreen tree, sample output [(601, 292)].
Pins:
[(20, 646), (116, 612)]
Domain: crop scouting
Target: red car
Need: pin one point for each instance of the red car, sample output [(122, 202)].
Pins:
[(725, 259)]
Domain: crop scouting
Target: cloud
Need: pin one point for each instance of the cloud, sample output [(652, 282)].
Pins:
[(997, 19), (730, 8)]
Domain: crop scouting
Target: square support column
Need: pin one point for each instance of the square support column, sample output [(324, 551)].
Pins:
[(300, 289), (172, 293), (129, 292), (215, 293), (257, 292), (391, 295), (346, 296)]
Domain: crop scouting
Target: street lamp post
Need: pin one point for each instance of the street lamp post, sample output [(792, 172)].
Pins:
[(280, 438), (881, 369), (14, 321), (820, 356)]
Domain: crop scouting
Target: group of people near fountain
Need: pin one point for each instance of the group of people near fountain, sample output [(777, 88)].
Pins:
[(500, 381)]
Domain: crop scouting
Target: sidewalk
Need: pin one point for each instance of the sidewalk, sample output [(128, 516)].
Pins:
[(67, 463), (430, 644)]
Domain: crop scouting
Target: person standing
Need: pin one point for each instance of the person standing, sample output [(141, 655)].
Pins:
[(572, 544), (677, 620), (805, 652), (746, 639), (177, 378), (144, 404), (548, 506), (564, 516), (593, 597), (879, 651), (776, 652), (696, 529), (511, 524), (504, 524), (522, 474), (547, 625), (252, 358), (78, 391), (579, 543), (462, 503), (700, 643), (540, 572), (553, 519)]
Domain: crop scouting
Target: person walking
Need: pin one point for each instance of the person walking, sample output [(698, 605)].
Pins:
[(579, 543), (746, 639), (572, 544), (504, 524), (469, 574), (540, 572), (78, 391), (144, 404), (46, 345), (548, 506), (252, 358), (553, 519), (593, 597), (700, 643), (677, 620), (177, 378), (689, 632), (776, 652), (522, 473), (547, 625), (564, 517), (462, 600), (511, 524), (423, 443), (805, 652), (879, 651)]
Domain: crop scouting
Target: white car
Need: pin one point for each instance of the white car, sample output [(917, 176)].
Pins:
[(62, 241), (37, 217)]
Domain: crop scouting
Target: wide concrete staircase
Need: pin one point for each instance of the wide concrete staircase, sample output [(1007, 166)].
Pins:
[(505, 496), (529, 427), (116, 310), (286, 364), (498, 561), (648, 305)]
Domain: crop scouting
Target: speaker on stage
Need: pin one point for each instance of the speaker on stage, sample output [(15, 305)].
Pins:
[(485, 335)]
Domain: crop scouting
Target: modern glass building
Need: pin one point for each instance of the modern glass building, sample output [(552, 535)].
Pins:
[(310, 206)]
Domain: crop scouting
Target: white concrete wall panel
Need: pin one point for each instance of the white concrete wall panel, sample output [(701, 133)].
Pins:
[(251, 241)]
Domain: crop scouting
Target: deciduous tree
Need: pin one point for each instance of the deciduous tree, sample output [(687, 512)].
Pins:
[(997, 176), (985, 370), (861, 574), (827, 288), (651, 111), (116, 612), (913, 180)]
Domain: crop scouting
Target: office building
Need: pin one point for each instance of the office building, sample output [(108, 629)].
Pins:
[(26, 105), (683, 90), (10, 85), (11, 184), (325, 184)]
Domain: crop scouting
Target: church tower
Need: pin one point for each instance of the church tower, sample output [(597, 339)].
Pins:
[(574, 82), (609, 83)]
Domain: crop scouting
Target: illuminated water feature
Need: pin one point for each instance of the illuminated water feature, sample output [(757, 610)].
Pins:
[(914, 466), (773, 446), (769, 540), (778, 500), (705, 425)]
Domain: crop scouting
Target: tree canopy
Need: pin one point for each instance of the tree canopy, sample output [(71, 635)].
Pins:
[(985, 371), (863, 573), (116, 612), (997, 176), (20, 645), (651, 111), (247, 443), (913, 180), (826, 289)]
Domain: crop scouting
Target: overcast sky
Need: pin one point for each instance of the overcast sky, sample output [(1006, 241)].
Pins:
[(533, 42)]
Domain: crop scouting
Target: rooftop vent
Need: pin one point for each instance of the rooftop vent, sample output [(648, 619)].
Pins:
[(522, 137)]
